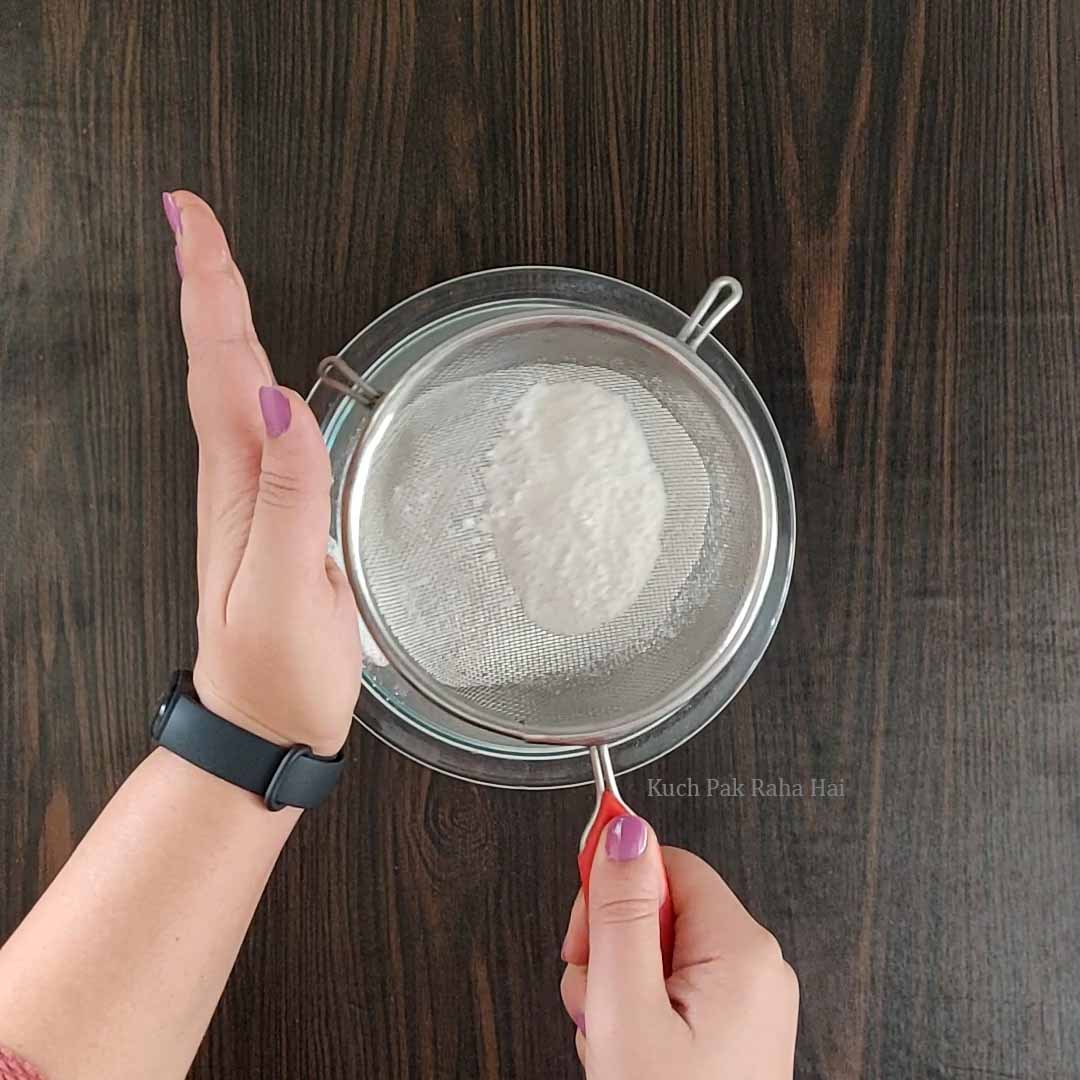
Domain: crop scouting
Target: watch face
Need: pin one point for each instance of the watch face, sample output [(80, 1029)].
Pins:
[(161, 713)]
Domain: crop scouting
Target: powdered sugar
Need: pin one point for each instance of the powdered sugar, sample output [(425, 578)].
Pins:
[(576, 506)]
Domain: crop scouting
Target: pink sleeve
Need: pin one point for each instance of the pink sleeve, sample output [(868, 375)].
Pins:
[(14, 1068)]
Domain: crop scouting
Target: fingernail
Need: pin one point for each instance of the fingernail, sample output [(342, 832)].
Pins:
[(579, 1020), (276, 410), (172, 213), (179, 260), (627, 838)]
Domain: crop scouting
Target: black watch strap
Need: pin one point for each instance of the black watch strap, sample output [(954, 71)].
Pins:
[(280, 775)]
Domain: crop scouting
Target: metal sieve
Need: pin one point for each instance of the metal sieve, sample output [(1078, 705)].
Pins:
[(427, 574)]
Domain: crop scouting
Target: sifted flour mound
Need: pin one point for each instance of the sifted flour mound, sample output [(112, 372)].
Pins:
[(576, 506)]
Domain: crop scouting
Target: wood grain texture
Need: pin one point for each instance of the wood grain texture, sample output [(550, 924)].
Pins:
[(895, 187)]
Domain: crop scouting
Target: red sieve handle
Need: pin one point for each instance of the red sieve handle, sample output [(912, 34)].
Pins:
[(609, 809)]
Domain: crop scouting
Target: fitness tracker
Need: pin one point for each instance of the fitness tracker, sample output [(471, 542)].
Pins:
[(280, 775)]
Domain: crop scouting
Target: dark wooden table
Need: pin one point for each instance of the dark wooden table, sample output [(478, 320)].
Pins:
[(895, 186)]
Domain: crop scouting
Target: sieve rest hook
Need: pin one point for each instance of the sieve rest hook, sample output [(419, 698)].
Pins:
[(339, 376), (698, 326)]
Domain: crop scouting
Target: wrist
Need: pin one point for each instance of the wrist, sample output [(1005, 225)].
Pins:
[(281, 772), (228, 709)]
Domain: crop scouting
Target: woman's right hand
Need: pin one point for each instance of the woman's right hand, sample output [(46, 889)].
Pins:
[(730, 1006)]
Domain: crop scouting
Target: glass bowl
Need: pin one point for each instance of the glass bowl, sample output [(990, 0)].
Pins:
[(392, 709)]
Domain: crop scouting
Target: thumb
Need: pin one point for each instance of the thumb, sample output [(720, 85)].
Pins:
[(291, 522), (626, 972)]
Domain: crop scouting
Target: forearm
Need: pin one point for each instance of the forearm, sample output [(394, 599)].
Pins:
[(117, 969)]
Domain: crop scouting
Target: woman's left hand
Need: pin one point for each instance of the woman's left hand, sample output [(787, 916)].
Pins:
[(279, 645)]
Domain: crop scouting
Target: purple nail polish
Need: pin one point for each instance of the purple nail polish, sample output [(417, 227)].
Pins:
[(579, 1020), (627, 838), (276, 410), (172, 213), (179, 260)]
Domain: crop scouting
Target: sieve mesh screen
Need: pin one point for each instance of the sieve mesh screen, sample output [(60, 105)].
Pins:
[(430, 575)]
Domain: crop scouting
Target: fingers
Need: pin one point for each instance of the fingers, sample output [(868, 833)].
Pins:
[(575, 949), (572, 989), (719, 949), (339, 582), (290, 525), (573, 996), (720, 946), (582, 1048), (226, 367), (626, 975), (214, 302), (709, 918), (226, 362), (706, 910)]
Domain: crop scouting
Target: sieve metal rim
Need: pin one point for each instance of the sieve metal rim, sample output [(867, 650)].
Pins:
[(382, 414)]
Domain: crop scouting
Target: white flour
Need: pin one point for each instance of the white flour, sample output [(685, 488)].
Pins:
[(429, 549), (576, 506)]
